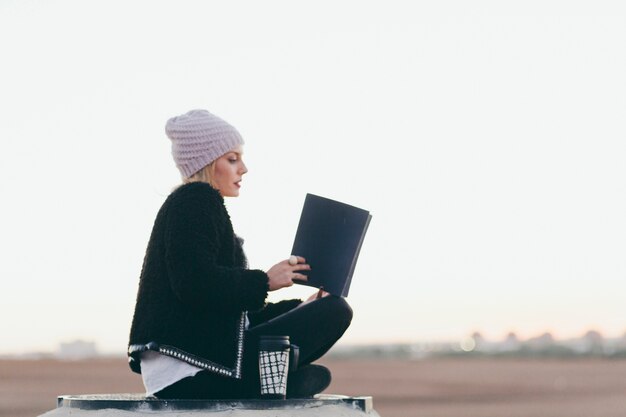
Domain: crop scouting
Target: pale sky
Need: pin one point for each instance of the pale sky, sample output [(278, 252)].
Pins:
[(487, 139)]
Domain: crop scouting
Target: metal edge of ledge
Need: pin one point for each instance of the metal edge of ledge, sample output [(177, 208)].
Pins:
[(139, 402)]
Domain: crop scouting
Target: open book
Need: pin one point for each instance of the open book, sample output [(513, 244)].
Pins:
[(329, 237)]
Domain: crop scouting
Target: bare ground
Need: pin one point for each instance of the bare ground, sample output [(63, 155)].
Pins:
[(425, 388)]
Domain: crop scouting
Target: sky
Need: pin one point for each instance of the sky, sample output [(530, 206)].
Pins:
[(486, 138)]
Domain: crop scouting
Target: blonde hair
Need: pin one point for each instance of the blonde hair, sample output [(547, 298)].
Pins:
[(206, 174)]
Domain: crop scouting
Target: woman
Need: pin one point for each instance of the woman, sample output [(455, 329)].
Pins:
[(200, 310)]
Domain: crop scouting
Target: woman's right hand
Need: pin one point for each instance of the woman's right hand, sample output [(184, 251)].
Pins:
[(282, 274)]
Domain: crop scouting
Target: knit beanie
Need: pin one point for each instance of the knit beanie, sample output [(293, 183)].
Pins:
[(199, 138)]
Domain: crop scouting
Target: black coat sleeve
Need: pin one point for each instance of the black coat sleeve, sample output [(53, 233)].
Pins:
[(195, 226)]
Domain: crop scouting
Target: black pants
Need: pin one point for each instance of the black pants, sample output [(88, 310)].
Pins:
[(314, 327)]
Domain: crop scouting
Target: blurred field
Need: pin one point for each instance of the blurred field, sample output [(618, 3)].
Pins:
[(427, 388)]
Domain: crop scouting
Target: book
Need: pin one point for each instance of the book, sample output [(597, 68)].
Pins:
[(329, 236)]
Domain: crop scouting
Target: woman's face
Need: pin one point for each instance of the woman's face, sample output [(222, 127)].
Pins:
[(229, 169)]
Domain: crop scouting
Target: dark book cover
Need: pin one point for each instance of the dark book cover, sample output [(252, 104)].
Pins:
[(329, 237)]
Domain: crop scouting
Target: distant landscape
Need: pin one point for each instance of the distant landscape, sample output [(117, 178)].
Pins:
[(590, 344), (474, 377), (469, 386)]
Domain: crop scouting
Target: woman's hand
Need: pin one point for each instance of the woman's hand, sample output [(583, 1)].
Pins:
[(315, 296), (282, 274), (320, 294)]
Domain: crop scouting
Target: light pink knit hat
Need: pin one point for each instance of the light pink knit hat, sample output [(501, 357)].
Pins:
[(199, 138)]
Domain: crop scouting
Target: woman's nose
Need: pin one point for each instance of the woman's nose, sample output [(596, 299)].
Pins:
[(243, 168)]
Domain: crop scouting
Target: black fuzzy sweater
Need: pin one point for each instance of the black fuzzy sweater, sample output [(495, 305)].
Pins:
[(195, 284)]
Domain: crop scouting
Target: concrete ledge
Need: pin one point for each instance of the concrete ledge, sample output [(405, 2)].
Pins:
[(135, 405)]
